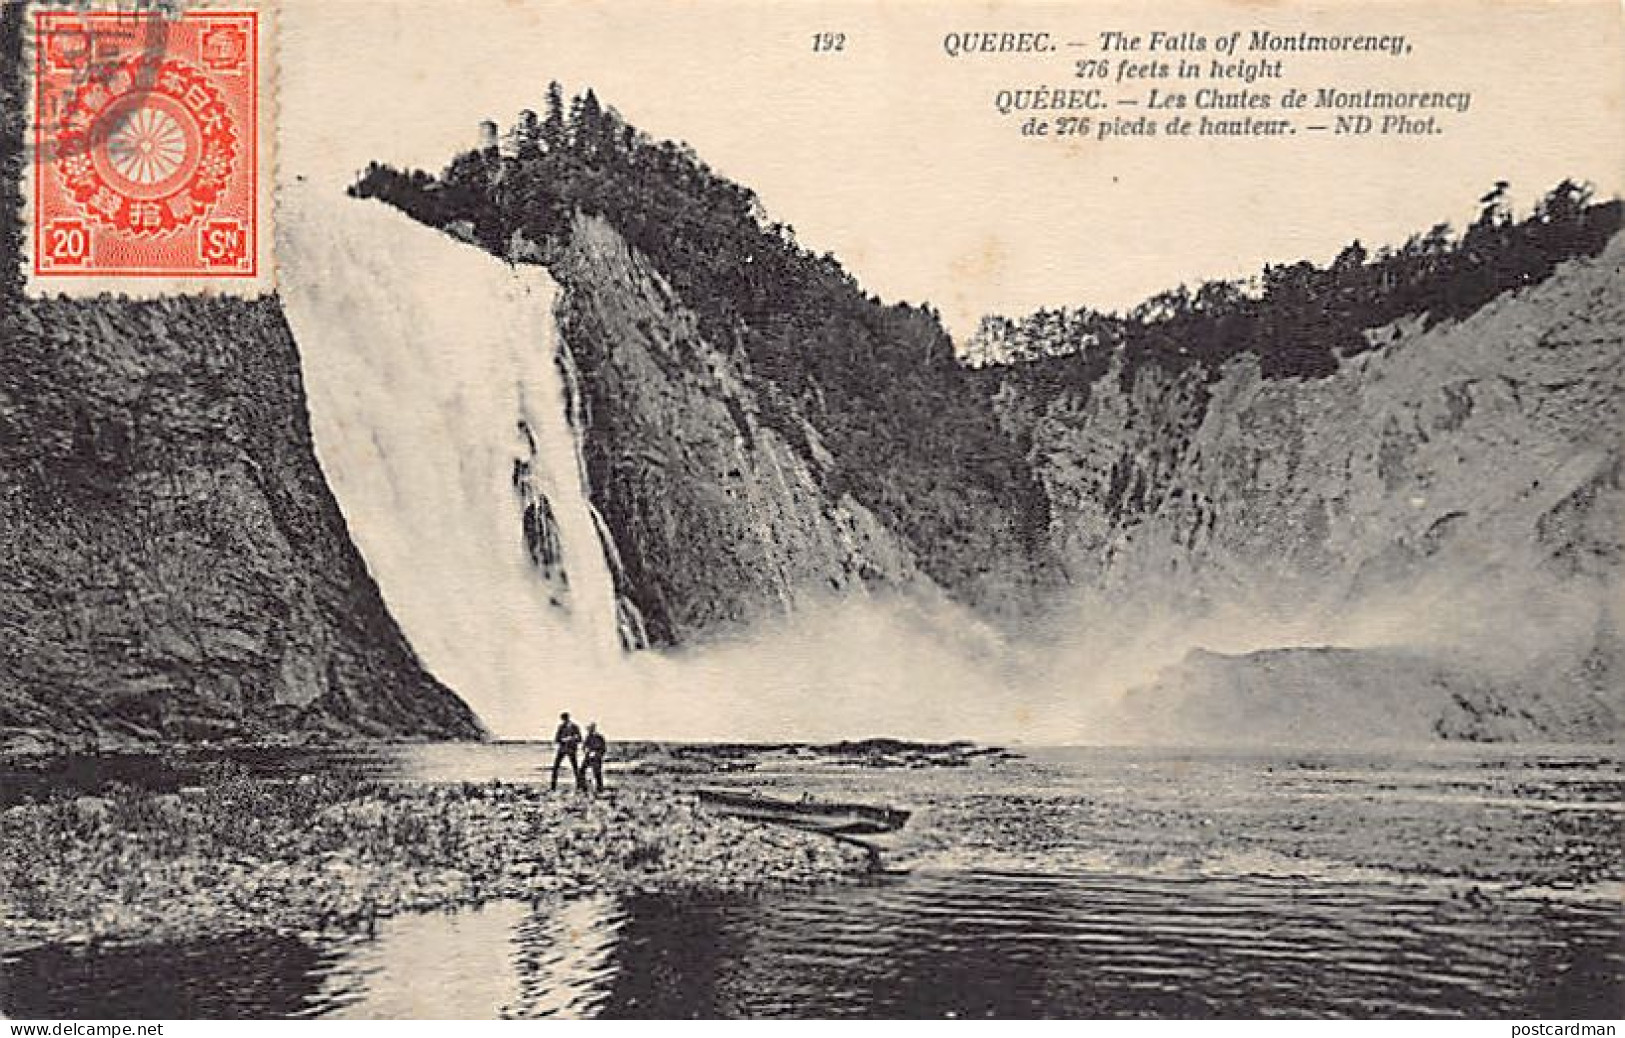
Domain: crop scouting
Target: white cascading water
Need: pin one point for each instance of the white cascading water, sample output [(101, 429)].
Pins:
[(442, 419), (446, 420)]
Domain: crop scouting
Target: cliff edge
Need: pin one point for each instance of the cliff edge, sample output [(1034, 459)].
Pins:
[(172, 563)]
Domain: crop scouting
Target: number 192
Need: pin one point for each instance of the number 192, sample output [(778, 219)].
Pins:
[(827, 42)]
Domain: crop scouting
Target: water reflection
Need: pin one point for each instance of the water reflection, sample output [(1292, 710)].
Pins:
[(436, 966), (259, 975), (505, 959), (565, 959), (1094, 883), (976, 944), (1001, 945)]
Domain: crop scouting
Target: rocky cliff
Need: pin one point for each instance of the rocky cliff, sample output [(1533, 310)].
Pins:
[(172, 564), (760, 430), (1455, 491), (1441, 511), (1342, 696), (718, 520)]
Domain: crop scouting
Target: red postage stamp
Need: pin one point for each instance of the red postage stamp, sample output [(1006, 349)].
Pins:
[(147, 145)]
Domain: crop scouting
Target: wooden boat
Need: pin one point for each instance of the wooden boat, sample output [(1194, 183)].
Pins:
[(831, 819)]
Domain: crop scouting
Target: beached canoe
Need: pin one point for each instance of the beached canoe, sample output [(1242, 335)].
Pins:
[(834, 819)]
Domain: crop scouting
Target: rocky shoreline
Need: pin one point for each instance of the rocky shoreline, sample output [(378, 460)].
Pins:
[(679, 759), (324, 854)]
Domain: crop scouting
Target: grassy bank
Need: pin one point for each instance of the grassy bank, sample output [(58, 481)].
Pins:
[(325, 853)]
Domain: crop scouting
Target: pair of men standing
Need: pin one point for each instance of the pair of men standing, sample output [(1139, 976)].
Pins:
[(568, 740)]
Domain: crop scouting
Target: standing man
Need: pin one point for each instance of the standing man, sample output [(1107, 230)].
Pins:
[(596, 748), (567, 738)]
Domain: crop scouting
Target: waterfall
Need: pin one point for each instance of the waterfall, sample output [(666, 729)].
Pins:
[(446, 418), (447, 421)]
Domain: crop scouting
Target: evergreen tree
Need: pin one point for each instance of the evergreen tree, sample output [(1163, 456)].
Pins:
[(527, 136), (553, 124)]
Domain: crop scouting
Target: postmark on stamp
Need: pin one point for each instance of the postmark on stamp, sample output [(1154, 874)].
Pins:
[(148, 170)]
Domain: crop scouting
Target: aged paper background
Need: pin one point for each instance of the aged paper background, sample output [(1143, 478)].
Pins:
[(891, 154)]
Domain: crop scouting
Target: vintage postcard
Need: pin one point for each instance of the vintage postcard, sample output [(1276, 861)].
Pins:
[(812, 510)]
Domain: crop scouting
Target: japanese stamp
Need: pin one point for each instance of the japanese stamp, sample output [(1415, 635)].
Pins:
[(148, 159)]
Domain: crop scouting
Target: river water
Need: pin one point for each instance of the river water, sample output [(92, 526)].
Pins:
[(1079, 882)]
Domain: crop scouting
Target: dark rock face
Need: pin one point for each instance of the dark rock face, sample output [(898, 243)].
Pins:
[(718, 521), (172, 563)]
